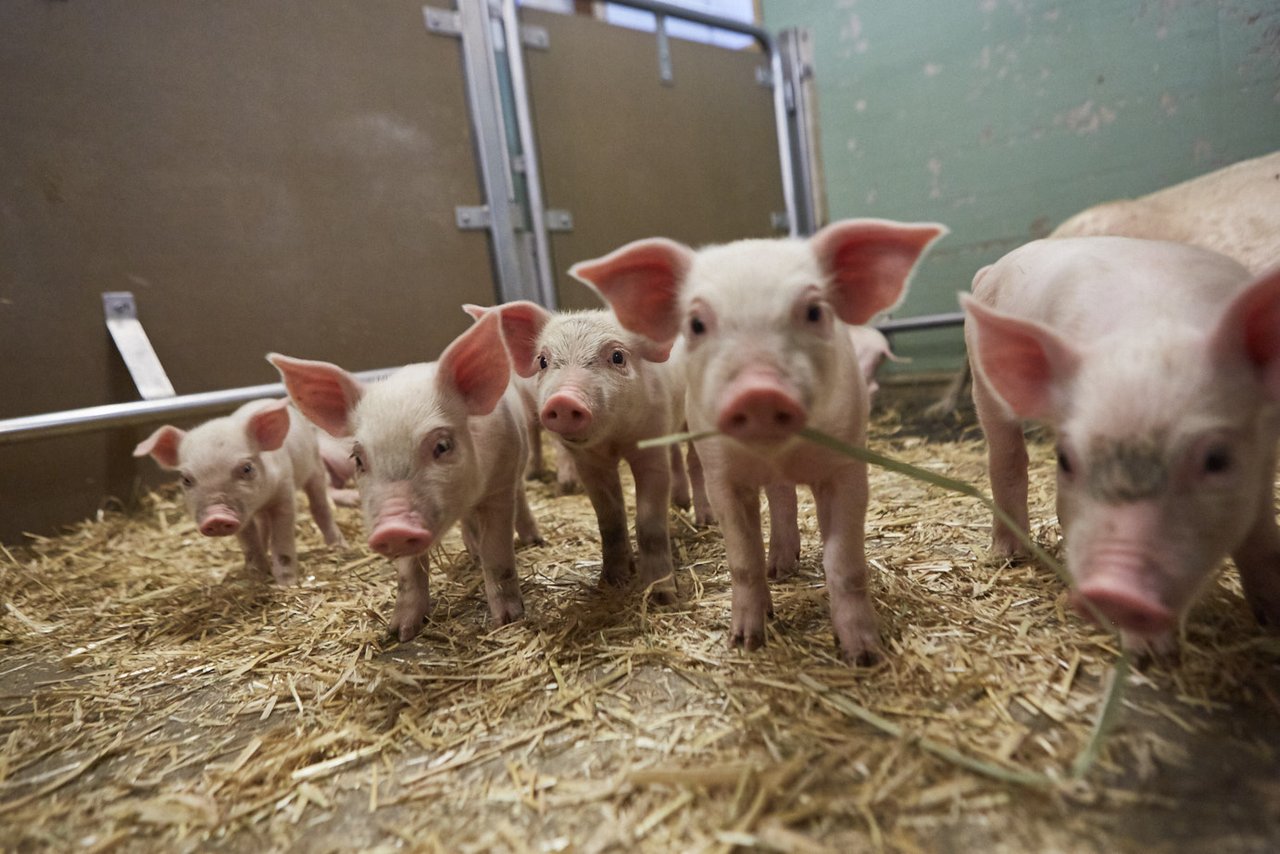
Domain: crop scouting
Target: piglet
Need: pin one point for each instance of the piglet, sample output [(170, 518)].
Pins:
[(600, 390), (239, 474), (1158, 367), (433, 444), (768, 354)]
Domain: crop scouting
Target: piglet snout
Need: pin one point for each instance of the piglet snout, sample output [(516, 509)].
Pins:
[(1119, 596), (400, 538), (219, 521), (566, 414), (758, 407)]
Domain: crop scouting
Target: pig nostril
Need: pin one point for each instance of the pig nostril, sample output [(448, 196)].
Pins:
[(782, 419)]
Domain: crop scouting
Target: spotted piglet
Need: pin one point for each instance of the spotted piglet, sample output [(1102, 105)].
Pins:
[(239, 474), (1158, 367), (768, 354), (433, 444)]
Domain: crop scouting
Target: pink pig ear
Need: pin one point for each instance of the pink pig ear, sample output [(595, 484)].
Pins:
[(476, 365), (641, 283), (268, 426), (162, 446), (1025, 362), (323, 392), (1252, 323), (522, 324), (475, 311), (870, 262)]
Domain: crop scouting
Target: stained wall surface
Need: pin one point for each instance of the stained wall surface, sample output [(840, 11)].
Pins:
[(276, 176), (1001, 118)]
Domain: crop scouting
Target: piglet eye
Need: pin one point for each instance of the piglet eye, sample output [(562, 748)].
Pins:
[(246, 469), (358, 460), (1217, 460), (814, 314), (443, 446), (542, 363), (618, 358), (188, 481), (696, 326), (1064, 462)]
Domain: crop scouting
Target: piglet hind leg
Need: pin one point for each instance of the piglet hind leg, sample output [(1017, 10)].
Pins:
[(842, 511), (527, 533), (1007, 467), (739, 512), (413, 599), (654, 566), (495, 530), (784, 530), (317, 492)]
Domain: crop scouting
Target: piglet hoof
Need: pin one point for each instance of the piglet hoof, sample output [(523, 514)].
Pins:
[(617, 574), (1005, 547), (862, 652), (535, 540), (282, 570), (566, 487), (662, 591), (749, 639), (1156, 650), (783, 565), (408, 617), (703, 518), (335, 540), (506, 610)]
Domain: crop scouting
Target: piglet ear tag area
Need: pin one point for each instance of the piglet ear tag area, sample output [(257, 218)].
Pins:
[(476, 366), (1252, 322), (162, 446), (641, 282), (323, 392), (269, 426), (870, 262)]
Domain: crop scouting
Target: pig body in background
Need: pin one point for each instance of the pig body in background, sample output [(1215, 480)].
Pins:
[(1158, 365), (872, 349), (434, 444), (527, 388), (767, 354), (341, 469), (239, 475), (601, 390), (1235, 211)]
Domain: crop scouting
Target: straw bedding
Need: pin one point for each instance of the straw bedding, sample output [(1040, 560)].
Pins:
[(155, 696)]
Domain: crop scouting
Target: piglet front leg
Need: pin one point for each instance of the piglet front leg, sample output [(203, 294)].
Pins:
[(652, 472), (495, 530), (842, 509), (603, 486), (784, 530), (413, 599), (738, 509)]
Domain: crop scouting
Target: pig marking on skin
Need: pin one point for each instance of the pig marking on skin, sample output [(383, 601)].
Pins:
[(1127, 469)]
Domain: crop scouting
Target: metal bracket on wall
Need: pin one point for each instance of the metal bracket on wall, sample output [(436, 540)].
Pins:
[(665, 74), (558, 220), (446, 22), (472, 217), (764, 77), (134, 346)]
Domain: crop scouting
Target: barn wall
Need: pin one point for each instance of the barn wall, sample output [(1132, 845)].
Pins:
[(1001, 118)]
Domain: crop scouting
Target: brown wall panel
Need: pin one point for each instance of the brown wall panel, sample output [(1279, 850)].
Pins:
[(262, 176), (632, 157)]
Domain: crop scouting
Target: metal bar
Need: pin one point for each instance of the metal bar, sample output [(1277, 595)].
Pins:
[(924, 321), (478, 56), (529, 149), (94, 418)]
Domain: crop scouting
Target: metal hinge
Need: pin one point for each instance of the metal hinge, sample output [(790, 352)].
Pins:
[(134, 346), (446, 22)]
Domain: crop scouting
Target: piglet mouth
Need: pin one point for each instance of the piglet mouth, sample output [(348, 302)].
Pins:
[(1123, 599)]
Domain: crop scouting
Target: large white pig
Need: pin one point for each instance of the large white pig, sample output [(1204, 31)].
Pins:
[(767, 354), (1157, 364), (600, 391), (433, 444), (239, 474)]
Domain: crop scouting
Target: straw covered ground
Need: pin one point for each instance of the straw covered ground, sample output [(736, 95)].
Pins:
[(154, 696)]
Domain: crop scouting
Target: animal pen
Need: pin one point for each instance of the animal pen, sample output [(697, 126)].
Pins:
[(192, 185)]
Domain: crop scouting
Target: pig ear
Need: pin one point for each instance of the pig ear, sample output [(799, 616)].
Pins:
[(162, 445), (870, 262), (641, 283), (1252, 323), (522, 323), (652, 351), (323, 392), (476, 365), (1025, 362), (269, 425), (475, 311)]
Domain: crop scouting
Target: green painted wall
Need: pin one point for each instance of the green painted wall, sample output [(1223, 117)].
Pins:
[(1001, 118)]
